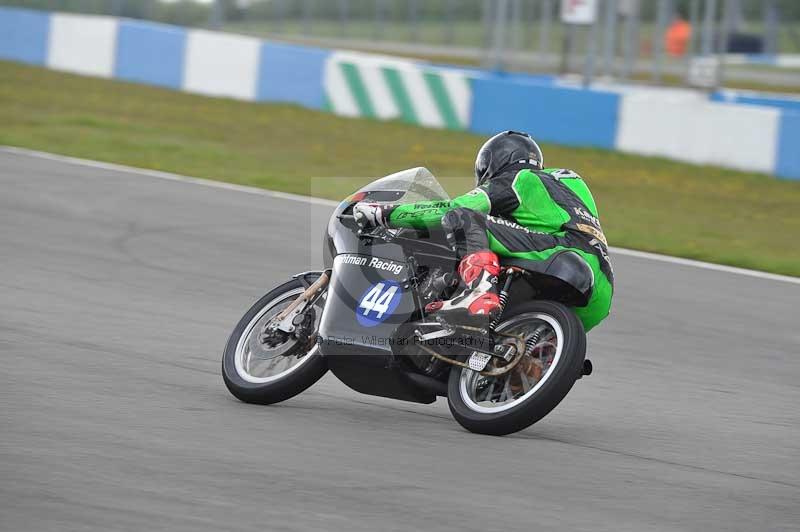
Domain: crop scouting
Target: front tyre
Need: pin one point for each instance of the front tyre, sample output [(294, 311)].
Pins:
[(260, 373), (509, 403)]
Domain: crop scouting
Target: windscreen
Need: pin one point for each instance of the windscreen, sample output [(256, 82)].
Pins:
[(408, 186)]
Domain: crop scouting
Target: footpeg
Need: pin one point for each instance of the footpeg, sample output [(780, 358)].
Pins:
[(432, 335), (446, 330)]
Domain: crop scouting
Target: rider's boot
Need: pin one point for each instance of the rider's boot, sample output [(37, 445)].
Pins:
[(476, 301)]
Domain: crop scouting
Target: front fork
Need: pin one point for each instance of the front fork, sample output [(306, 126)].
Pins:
[(292, 316)]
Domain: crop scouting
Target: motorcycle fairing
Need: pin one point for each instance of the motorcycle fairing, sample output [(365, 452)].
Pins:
[(359, 356), (354, 276)]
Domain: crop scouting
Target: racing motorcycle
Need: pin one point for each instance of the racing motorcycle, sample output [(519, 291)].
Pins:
[(363, 318)]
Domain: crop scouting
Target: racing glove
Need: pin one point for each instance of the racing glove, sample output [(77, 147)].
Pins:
[(370, 215)]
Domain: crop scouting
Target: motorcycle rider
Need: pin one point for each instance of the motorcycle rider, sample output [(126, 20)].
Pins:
[(519, 210)]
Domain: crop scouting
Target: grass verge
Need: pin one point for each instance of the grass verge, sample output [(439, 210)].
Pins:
[(707, 213)]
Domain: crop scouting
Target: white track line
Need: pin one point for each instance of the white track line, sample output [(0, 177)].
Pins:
[(704, 265), (329, 203), (166, 175)]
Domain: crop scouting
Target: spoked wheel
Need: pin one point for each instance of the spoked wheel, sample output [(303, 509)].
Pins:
[(263, 367), (555, 350)]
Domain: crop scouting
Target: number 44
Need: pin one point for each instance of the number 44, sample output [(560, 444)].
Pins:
[(378, 300)]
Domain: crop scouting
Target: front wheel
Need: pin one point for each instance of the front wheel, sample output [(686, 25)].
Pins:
[(266, 373), (556, 348)]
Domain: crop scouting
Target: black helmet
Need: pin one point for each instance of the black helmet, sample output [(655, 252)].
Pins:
[(503, 149)]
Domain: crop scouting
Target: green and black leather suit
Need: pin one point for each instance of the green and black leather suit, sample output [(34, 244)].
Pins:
[(528, 214)]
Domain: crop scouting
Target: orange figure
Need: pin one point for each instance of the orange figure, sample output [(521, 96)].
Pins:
[(678, 35)]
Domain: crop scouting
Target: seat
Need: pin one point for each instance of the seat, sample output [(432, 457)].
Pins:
[(564, 277)]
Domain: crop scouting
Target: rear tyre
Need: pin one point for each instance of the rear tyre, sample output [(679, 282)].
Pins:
[(262, 374), (509, 403)]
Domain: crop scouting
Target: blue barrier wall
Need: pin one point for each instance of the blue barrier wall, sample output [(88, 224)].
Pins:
[(150, 53), (788, 159), (24, 35), (541, 79), (763, 100), (553, 114), (292, 74)]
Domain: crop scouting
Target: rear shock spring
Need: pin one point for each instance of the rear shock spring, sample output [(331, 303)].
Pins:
[(530, 343), (503, 296)]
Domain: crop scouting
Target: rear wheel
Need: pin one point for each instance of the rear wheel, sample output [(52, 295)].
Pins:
[(262, 372), (556, 348)]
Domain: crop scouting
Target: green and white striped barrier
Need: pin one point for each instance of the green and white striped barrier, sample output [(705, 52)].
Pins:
[(385, 88)]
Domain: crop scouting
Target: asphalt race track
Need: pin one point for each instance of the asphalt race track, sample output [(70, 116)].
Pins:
[(117, 293)]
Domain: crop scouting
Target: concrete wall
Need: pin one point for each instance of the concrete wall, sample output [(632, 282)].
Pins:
[(549, 113), (700, 132), (389, 88), (734, 130), (198, 61)]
